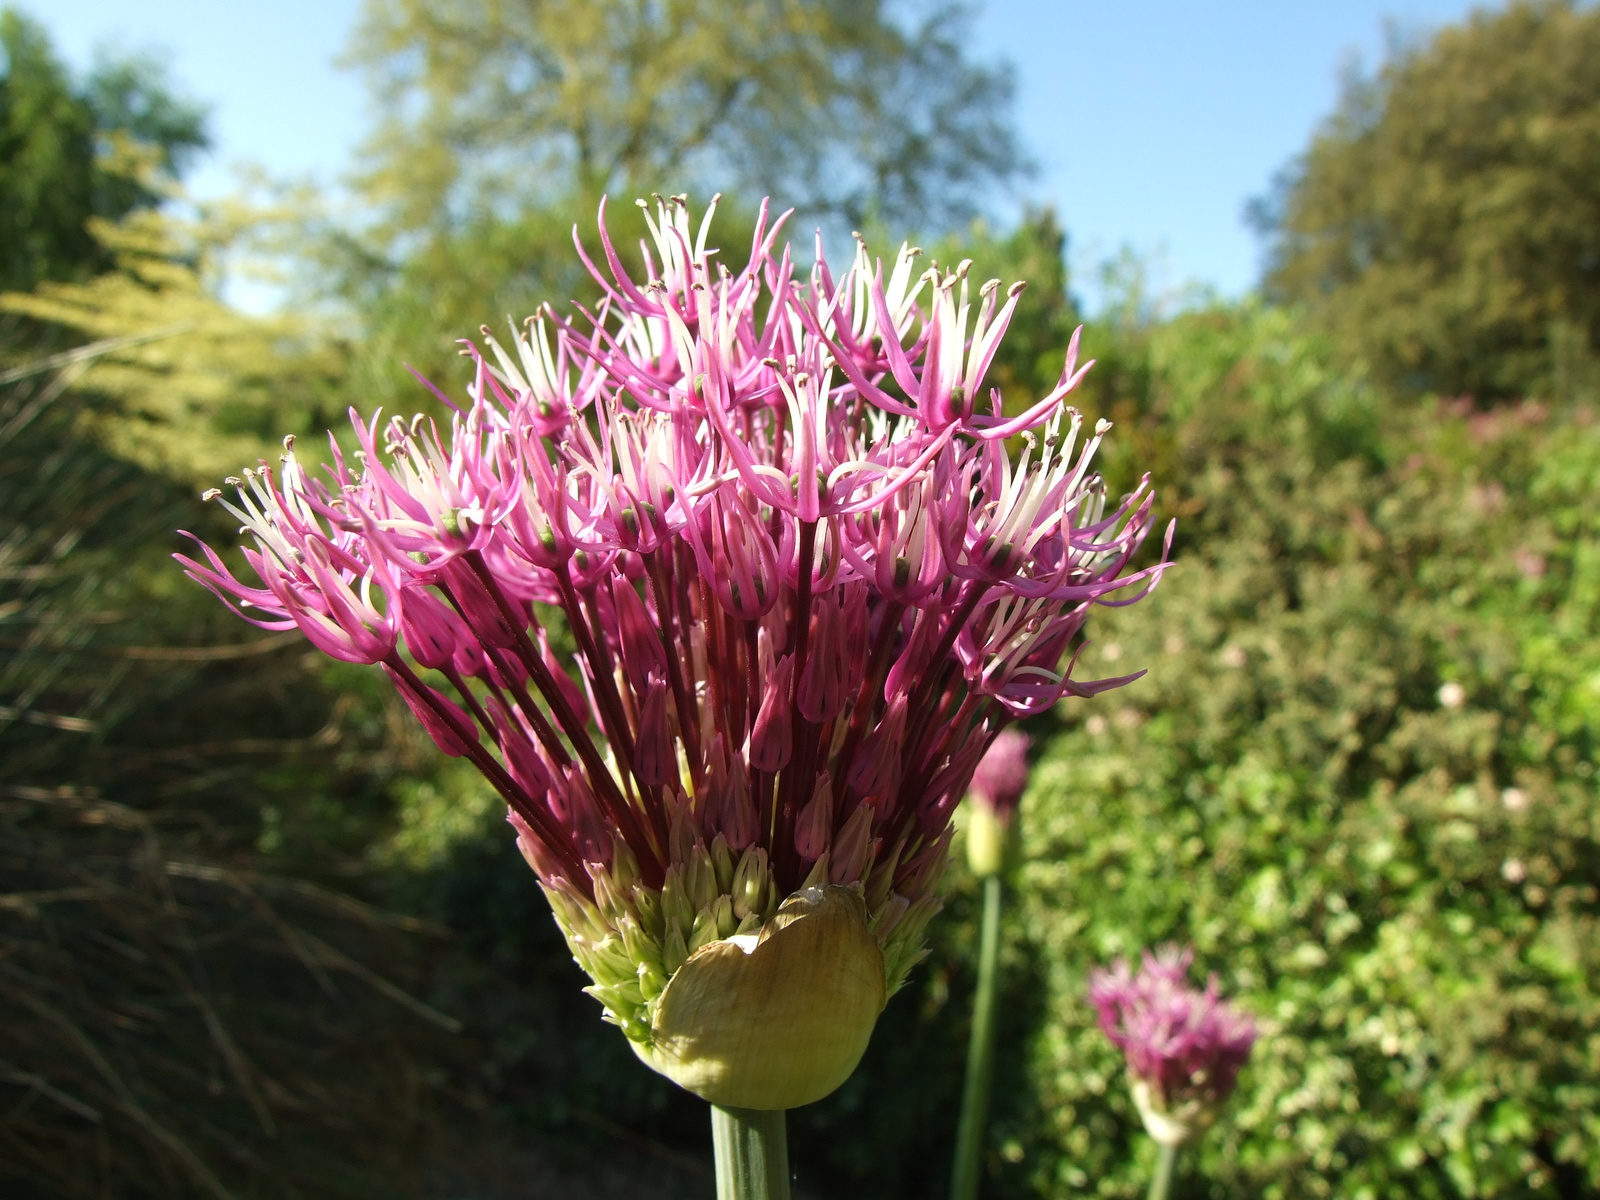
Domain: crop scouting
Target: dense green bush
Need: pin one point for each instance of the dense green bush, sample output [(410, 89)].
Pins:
[(1359, 778)]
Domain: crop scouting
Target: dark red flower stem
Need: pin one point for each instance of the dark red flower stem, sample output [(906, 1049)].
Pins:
[(672, 641), (613, 718), (649, 851), (541, 727), (933, 673), (468, 698), (543, 825), (798, 772), (752, 667), (867, 698)]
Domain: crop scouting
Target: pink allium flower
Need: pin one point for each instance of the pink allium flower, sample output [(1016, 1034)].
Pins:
[(1002, 773), (1185, 1046), (805, 578)]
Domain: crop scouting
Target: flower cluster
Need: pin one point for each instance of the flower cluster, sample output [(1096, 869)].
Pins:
[(1184, 1047), (801, 581)]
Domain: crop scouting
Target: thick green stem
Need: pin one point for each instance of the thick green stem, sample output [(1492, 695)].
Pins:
[(1166, 1165), (752, 1148), (980, 1054)]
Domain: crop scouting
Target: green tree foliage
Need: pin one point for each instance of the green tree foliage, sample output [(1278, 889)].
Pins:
[(1360, 778), (65, 152), (504, 123), (191, 388), (834, 107), (1446, 220), (414, 307)]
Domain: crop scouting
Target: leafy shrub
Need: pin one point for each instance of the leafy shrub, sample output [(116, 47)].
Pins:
[(1359, 778)]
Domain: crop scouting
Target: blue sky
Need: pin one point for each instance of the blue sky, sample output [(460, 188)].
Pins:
[(1152, 122)]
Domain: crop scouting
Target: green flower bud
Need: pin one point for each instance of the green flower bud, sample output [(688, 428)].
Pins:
[(676, 909), (888, 916), (705, 929), (624, 866), (652, 981), (905, 948), (610, 963), (674, 950), (987, 839), (882, 879), (648, 905), (641, 947), (612, 903), (722, 913), (700, 878), (722, 860), (619, 998), (751, 882), (576, 916)]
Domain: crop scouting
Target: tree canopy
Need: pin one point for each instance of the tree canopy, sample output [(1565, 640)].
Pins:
[(70, 151), (837, 107), (1446, 219)]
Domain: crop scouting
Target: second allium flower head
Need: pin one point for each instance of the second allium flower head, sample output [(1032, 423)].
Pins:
[(807, 584), (1184, 1047)]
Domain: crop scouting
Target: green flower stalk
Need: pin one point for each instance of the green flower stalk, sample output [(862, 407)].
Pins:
[(807, 586), (996, 788)]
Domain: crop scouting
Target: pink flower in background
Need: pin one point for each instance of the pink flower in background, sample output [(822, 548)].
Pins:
[(1002, 773), (1184, 1047), (799, 578)]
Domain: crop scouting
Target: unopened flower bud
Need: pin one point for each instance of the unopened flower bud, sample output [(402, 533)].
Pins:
[(613, 904), (674, 949), (1002, 774), (751, 883), (705, 928), (813, 829), (722, 912), (700, 877), (445, 720), (647, 903), (654, 760), (610, 962), (722, 861), (652, 982), (852, 848), (676, 910), (639, 945), (821, 693), (987, 839), (771, 739)]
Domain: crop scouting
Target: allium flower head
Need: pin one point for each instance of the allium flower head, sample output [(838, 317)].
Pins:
[(805, 579), (1184, 1047)]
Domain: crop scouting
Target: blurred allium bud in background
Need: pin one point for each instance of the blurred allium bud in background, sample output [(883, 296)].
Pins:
[(1184, 1047), (997, 785), (807, 584)]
